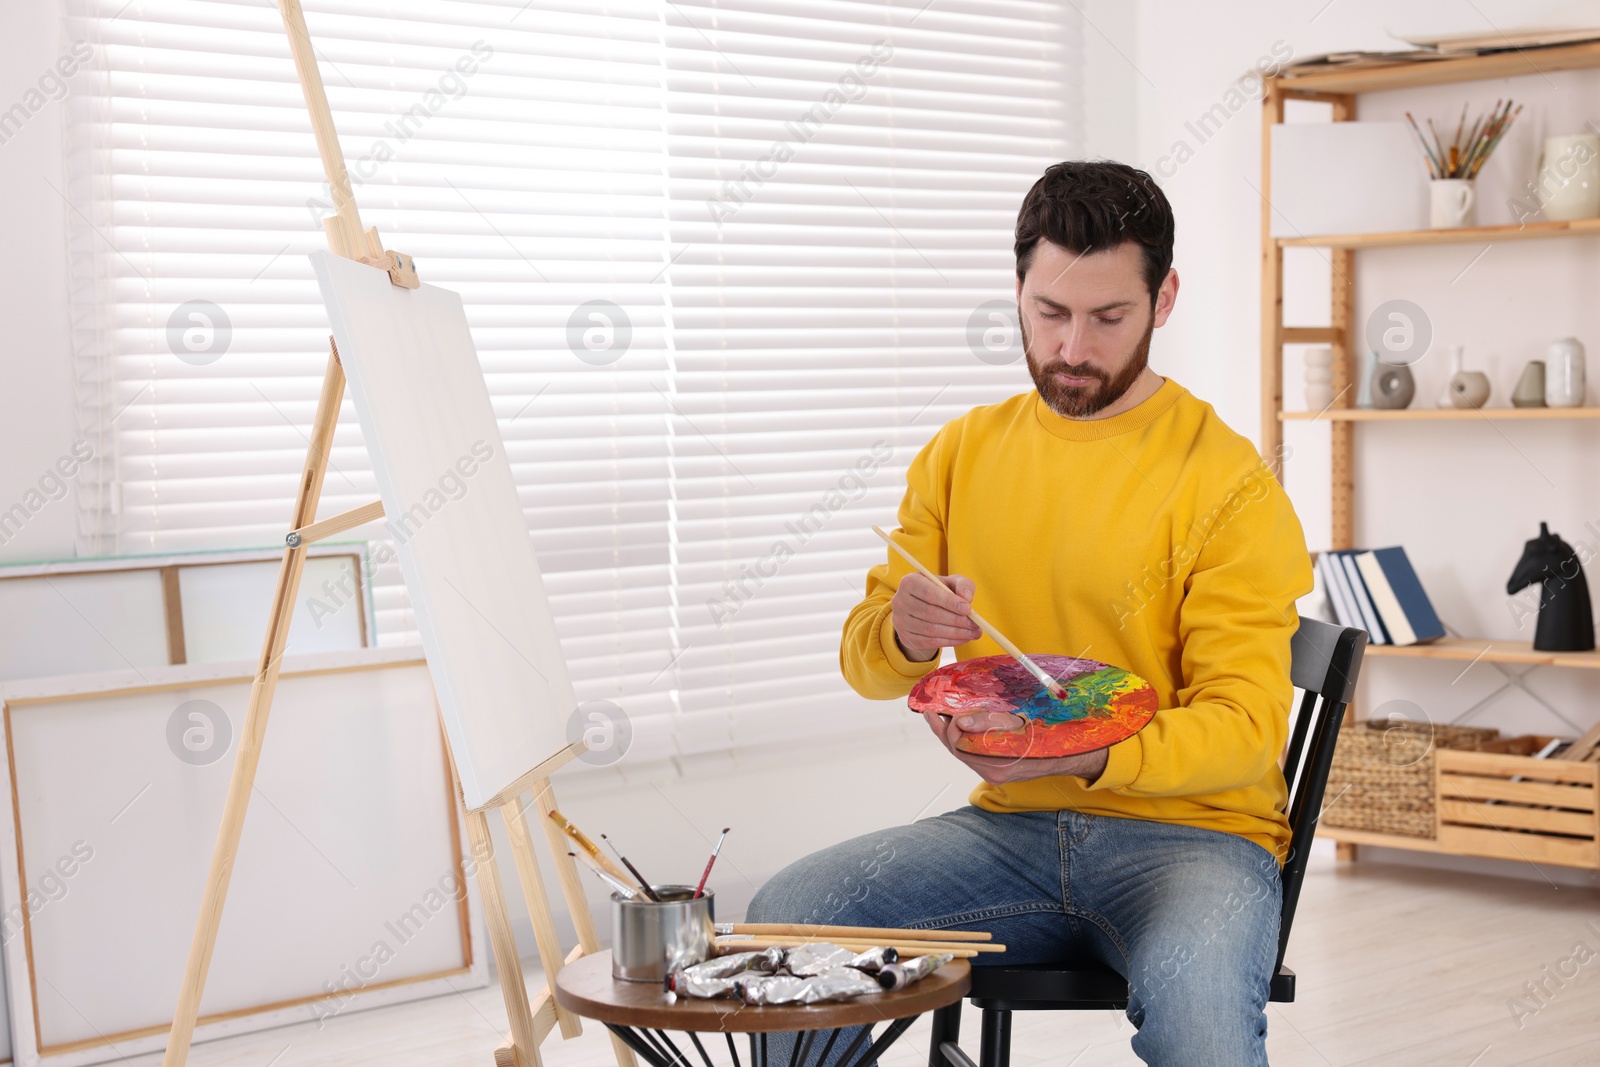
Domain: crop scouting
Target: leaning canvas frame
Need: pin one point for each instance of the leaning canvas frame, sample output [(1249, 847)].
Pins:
[(171, 565), (26, 696)]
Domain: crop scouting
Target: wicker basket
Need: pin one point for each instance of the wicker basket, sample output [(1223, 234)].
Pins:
[(1382, 774)]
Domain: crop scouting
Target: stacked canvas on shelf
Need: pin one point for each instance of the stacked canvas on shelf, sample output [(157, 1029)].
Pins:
[(1377, 590)]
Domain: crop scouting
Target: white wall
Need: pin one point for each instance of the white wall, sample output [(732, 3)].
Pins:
[(36, 412)]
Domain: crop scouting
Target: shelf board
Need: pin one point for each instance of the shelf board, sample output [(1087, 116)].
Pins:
[(1472, 648), (1510, 64), (1461, 235), (1372, 837), (1437, 414)]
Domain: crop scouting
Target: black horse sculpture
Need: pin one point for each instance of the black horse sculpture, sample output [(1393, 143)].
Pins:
[(1566, 621)]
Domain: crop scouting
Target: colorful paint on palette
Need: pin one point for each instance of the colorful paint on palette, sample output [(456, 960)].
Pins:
[(1103, 705)]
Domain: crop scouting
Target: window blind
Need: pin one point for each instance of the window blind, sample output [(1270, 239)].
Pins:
[(843, 179), (722, 264)]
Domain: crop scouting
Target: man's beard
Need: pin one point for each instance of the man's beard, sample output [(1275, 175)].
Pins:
[(1081, 401)]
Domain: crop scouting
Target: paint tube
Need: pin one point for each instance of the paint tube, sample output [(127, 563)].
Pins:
[(839, 983), (714, 977), (806, 960), (900, 975), (874, 959)]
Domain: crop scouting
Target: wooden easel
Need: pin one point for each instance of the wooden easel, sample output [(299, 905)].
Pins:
[(531, 1019)]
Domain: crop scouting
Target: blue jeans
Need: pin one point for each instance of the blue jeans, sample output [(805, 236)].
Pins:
[(1188, 916)]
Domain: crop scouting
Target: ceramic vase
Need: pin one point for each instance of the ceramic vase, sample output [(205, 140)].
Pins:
[(1530, 387), (1369, 365), (1569, 178), (1319, 378), (1445, 400), (1564, 384), (1392, 386), (1466, 388)]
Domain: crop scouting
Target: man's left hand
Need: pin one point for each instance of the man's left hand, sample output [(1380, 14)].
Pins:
[(997, 770)]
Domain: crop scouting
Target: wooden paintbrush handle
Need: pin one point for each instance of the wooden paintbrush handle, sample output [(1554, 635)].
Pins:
[(856, 932), (994, 635), (962, 950)]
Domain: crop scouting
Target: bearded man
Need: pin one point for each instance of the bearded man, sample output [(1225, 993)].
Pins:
[(1109, 514)]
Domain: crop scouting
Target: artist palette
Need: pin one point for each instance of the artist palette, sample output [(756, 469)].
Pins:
[(1103, 705)]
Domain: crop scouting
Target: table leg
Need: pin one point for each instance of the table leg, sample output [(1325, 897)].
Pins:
[(896, 1028), (678, 1057), (661, 1053), (705, 1059), (849, 1053), (627, 1036), (797, 1050), (659, 1050), (833, 1035)]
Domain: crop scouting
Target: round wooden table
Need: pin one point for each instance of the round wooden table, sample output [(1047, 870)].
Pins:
[(641, 1013)]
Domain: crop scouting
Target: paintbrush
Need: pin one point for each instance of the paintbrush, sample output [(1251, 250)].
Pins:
[(707, 872), (1055, 688), (628, 892), (615, 851), (584, 843), (643, 883), (1504, 124), (1434, 170)]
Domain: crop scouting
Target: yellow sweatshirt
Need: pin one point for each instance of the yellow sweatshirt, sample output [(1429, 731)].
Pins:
[(1154, 540)]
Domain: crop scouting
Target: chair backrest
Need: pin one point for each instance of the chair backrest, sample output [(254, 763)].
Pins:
[(1324, 662)]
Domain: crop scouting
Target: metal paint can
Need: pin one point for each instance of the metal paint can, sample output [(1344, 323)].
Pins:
[(650, 939)]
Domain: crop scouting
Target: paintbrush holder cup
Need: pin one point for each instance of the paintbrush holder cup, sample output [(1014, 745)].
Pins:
[(650, 940), (1451, 203)]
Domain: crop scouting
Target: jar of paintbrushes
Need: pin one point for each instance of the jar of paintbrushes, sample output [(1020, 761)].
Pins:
[(1453, 167), (655, 929)]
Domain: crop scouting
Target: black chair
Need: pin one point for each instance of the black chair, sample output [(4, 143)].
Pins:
[(1324, 662)]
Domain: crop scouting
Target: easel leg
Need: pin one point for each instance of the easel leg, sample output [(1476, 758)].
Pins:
[(544, 798), (524, 1039), (538, 902), (245, 761)]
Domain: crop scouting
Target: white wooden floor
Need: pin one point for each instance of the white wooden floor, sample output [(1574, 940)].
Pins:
[(1398, 966)]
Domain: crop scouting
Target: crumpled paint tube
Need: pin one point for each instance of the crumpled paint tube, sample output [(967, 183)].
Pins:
[(714, 977), (839, 983), (900, 975)]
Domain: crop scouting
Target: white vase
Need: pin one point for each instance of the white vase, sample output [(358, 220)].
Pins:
[(1569, 178), (1445, 400), (1318, 378), (1564, 385)]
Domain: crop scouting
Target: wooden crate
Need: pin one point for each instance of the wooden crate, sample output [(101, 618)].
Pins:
[(1551, 816)]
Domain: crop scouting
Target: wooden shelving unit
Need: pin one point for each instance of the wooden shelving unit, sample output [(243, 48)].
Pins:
[(1439, 414), (1341, 90), (1470, 649), (1463, 235)]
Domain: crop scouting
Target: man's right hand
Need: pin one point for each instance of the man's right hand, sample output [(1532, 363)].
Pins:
[(930, 615)]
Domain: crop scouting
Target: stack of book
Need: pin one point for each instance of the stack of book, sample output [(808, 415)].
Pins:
[(1377, 590)]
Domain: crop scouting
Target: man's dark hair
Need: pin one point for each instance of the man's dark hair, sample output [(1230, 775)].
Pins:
[(1094, 205)]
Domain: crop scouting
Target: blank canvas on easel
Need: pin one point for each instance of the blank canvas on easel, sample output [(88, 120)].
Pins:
[(451, 502)]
